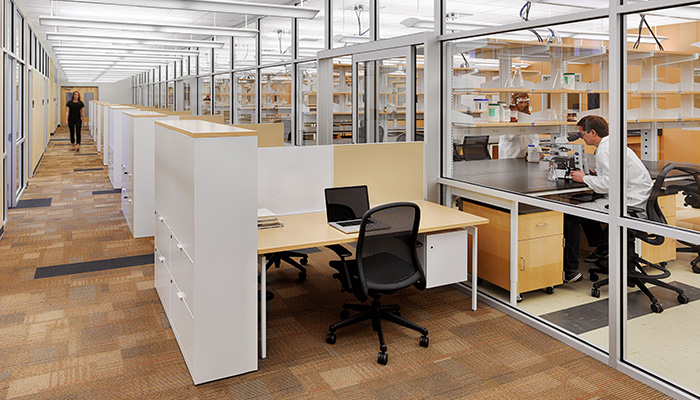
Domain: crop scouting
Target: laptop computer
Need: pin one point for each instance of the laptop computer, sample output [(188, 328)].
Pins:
[(345, 207)]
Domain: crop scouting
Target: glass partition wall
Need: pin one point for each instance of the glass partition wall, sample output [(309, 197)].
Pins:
[(502, 104)]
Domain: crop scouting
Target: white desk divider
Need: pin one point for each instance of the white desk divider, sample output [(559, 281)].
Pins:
[(292, 180)]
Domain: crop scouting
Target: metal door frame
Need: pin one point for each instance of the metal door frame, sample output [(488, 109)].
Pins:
[(408, 52)]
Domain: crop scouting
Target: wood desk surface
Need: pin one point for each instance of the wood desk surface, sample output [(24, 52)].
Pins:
[(312, 230), (204, 129)]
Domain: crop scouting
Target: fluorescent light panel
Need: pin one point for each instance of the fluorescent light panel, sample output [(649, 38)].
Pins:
[(218, 6), (85, 23), (116, 49), (114, 57), (76, 37)]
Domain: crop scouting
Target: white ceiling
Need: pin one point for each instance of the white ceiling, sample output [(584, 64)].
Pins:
[(345, 19)]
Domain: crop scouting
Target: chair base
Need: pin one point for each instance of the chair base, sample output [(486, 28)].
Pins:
[(693, 249), (286, 256), (376, 312), (639, 278)]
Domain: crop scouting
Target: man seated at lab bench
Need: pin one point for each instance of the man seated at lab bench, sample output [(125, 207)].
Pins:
[(515, 146), (594, 131)]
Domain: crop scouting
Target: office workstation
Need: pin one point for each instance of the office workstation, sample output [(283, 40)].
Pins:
[(545, 249)]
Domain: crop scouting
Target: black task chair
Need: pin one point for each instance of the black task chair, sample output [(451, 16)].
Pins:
[(691, 190), (636, 275), (476, 148), (386, 261), (286, 256)]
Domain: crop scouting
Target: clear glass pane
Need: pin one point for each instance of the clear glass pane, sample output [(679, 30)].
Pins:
[(204, 60), (350, 22), (187, 100), (19, 35), (171, 70), (466, 15), (276, 97), (246, 90), (222, 99), (8, 24), (276, 40), (19, 171), (222, 56), (342, 100), (420, 92), (396, 16), (163, 95), (19, 108), (663, 107), (171, 96), (193, 65), (245, 50), (312, 32), (308, 90), (205, 95)]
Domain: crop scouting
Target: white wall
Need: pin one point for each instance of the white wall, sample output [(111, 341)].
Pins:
[(117, 93)]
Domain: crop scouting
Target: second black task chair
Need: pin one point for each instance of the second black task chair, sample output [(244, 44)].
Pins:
[(386, 261)]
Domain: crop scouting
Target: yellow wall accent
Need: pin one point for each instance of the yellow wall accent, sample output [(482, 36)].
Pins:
[(391, 171), (269, 135)]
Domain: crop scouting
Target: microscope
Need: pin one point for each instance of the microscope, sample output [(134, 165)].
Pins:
[(566, 157)]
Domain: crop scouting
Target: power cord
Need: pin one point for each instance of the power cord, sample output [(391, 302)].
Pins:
[(643, 22)]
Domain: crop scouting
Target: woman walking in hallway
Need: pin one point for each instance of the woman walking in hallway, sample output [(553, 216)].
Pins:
[(74, 119)]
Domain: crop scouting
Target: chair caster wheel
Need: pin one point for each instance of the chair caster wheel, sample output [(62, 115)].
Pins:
[(594, 277), (549, 290), (302, 276), (696, 269), (657, 308), (683, 299), (519, 298), (479, 281), (344, 314), (424, 341), (304, 261), (595, 293), (330, 338), (382, 358)]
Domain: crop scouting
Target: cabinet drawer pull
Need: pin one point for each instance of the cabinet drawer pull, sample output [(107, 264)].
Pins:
[(179, 246), (161, 259), (542, 225), (161, 219), (181, 295), (523, 267)]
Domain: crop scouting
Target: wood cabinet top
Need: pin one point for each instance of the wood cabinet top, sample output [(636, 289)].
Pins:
[(119, 107), (143, 114), (204, 129)]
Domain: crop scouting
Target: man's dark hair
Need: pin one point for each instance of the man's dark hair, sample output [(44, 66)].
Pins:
[(594, 122)]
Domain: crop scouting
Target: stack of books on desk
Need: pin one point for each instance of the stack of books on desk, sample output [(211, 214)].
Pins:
[(267, 219)]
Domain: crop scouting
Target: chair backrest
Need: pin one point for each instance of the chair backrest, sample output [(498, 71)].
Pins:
[(387, 247), (476, 148), (653, 209)]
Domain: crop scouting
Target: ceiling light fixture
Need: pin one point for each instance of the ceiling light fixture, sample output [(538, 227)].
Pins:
[(351, 39), (79, 37), (217, 6), (128, 50), (85, 23), (114, 57)]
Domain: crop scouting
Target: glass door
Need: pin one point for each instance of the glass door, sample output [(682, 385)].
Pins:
[(383, 84), (16, 140)]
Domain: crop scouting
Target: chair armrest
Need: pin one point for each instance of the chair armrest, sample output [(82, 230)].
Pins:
[(419, 243), (340, 250), (634, 211)]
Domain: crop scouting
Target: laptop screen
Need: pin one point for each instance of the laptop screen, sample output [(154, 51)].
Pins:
[(346, 203)]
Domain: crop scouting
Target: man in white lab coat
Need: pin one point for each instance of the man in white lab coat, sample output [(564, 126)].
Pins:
[(594, 130)]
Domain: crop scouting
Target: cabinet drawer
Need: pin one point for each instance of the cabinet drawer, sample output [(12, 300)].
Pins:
[(162, 281), (540, 263), (540, 224), (182, 323), (162, 240), (182, 270)]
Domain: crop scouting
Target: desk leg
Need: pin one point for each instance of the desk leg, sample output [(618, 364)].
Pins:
[(475, 251), (263, 307)]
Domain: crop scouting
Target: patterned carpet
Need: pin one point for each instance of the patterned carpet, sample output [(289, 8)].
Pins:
[(104, 335)]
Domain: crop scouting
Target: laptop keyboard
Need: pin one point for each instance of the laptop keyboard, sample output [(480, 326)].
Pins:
[(353, 222)]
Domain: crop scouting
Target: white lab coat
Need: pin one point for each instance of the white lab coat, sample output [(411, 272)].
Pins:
[(515, 146), (638, 185)]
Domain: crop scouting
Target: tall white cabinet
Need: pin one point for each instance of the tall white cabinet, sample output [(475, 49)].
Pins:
[(206, 243), (137, 168), (114, 144)]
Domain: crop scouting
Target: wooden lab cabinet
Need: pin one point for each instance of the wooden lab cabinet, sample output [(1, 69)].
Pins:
[(540, 247)]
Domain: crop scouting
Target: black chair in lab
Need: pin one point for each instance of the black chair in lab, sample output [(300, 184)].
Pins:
[(691, 190), (636, 274), (476, 148), (386, 261), (286, 256)]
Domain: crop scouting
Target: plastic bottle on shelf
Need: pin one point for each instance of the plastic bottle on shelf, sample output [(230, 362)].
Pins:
[(518, 81)]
